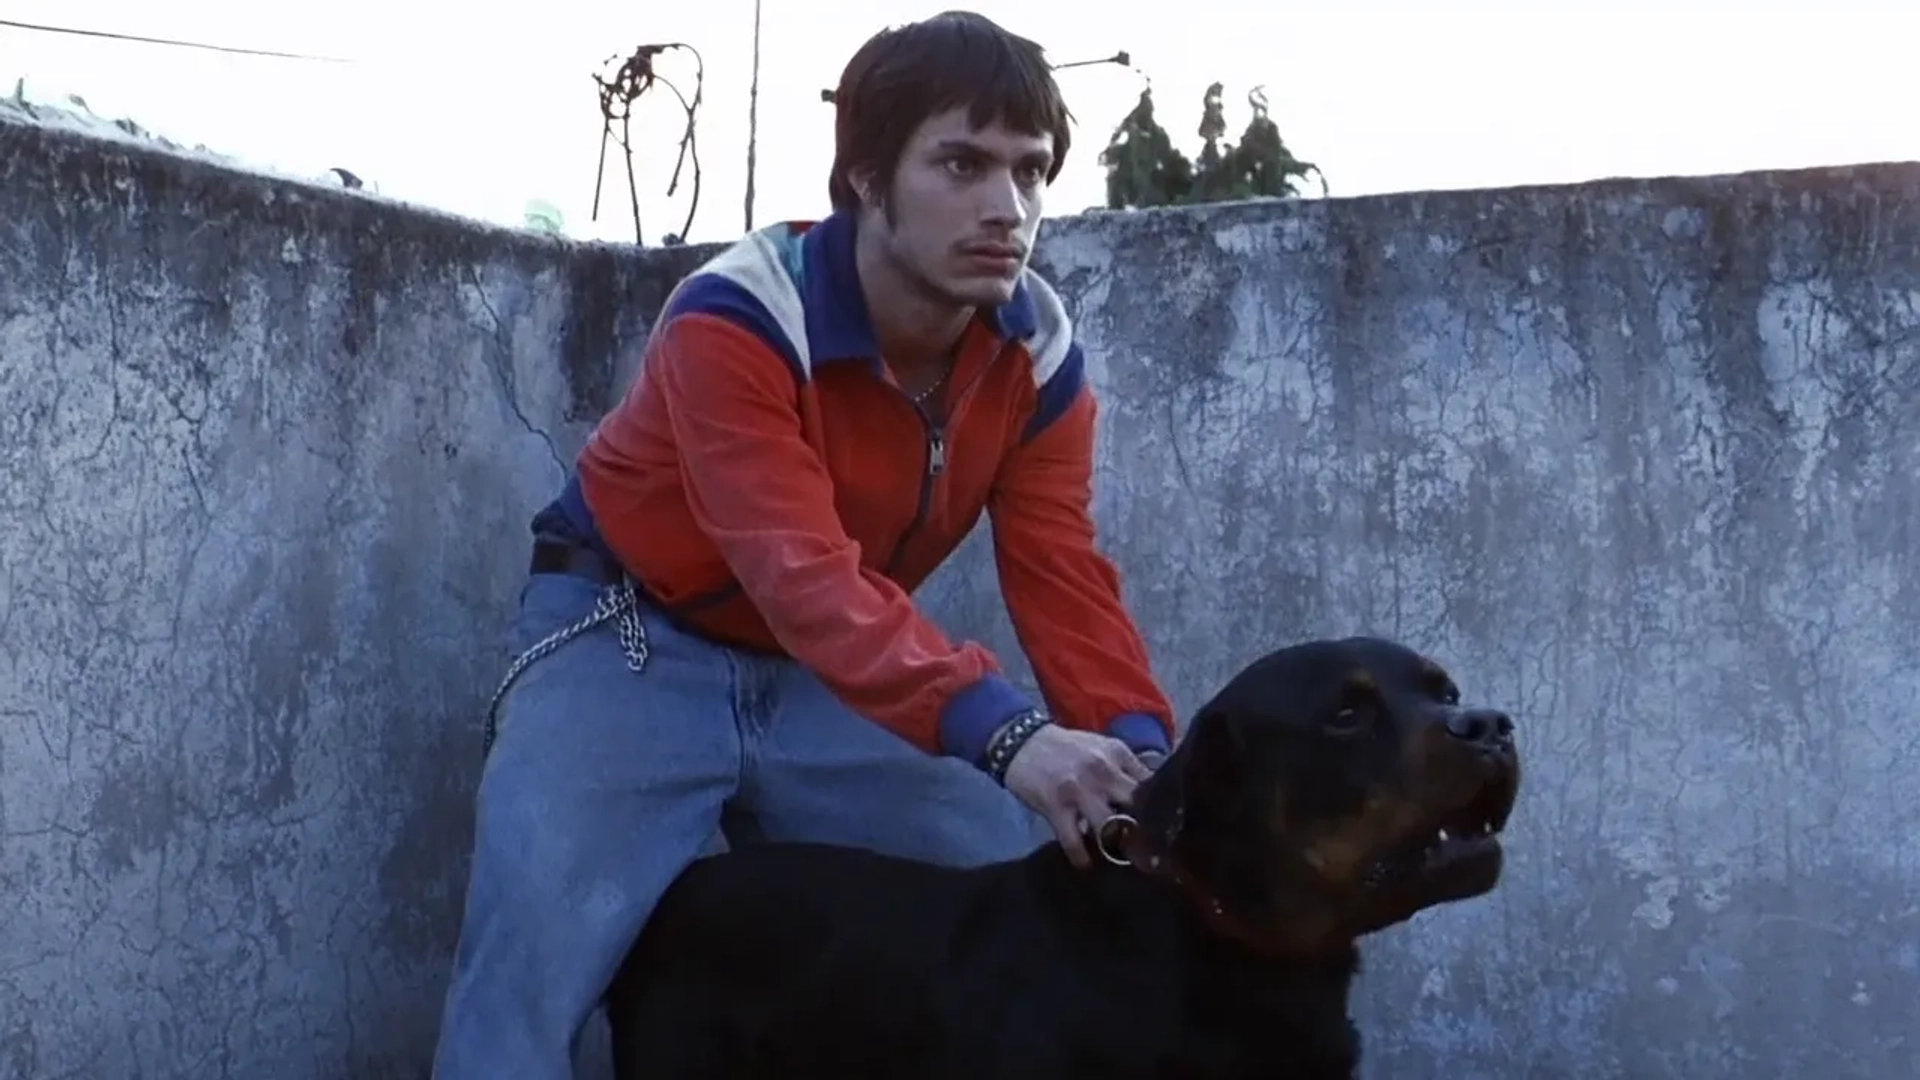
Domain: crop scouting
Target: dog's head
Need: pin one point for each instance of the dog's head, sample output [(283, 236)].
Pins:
[(1335, 788)]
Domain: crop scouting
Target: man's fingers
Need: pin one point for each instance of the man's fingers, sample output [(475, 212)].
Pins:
[(1066, 826), (1094, 814), (1119, 757), (1077, 784), (1118, 791)]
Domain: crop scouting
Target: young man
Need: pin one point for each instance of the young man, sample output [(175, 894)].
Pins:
[(719, 613)]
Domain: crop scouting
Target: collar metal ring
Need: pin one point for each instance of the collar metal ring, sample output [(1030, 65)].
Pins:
[(1110, 833)]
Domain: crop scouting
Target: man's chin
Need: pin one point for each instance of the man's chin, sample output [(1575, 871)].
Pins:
[(982, 292)]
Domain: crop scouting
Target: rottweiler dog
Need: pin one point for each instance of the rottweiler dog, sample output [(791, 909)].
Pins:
[(1327, 791)]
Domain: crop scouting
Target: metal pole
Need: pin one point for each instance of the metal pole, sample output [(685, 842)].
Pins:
[(753, 114)]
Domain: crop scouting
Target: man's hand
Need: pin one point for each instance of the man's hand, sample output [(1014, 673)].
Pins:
[(1074, 779)]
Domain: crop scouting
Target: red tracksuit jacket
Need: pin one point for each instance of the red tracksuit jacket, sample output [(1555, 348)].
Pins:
[(766, 482)]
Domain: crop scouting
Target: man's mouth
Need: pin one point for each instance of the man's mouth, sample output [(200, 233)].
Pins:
[(999, 255)]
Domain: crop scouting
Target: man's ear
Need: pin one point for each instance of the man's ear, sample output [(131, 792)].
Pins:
[(864, 181)]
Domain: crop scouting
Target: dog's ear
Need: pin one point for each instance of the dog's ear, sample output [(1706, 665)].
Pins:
[(1202, 770), (1215, 770), (1211, 811)]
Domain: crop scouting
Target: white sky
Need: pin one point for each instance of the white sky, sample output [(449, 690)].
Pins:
[(480, 117)]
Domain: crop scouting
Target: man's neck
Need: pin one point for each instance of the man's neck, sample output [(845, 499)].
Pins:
[(914, 330)]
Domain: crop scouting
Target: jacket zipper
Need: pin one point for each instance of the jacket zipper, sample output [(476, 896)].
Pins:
[(936, 459)]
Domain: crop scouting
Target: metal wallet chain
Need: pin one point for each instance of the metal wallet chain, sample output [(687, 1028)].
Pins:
[(615, 602)]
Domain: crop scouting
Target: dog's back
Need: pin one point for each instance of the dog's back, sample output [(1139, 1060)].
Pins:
[(797, 960), (753, 955)]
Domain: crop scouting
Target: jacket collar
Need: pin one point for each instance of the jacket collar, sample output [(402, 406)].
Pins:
[(838, 326)]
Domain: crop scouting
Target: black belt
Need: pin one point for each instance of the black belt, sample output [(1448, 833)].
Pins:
[(553, 556)]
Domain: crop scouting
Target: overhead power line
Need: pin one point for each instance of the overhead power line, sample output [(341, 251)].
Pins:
[(169, 42)]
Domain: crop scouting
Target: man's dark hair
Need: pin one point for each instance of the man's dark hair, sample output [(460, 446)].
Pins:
[(956, 59)]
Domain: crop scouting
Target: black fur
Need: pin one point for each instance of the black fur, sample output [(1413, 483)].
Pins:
[(1300, 801)]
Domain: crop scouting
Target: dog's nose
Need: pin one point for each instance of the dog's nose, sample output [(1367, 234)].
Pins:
[(1480, 725)]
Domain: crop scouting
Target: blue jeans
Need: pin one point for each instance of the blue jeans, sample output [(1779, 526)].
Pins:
[(605, 783)]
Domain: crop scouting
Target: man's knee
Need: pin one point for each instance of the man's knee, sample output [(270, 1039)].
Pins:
[(998, 828)]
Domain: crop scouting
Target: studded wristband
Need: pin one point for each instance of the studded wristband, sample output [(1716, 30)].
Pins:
[(1009, 739)]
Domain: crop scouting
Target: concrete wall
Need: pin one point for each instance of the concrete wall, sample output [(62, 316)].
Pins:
[(1640, 461), (1637, 459), (265, 471)]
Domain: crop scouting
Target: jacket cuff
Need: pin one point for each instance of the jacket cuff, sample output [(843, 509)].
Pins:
[(1141, 732), (972, 716)]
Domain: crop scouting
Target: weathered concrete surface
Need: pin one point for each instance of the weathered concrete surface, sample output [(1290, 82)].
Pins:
[(265, 471), (1637, 459)]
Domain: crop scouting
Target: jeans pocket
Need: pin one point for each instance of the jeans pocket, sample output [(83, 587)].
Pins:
[(548, 604)]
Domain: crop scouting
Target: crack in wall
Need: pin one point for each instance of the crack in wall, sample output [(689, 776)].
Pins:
[(500, 361)]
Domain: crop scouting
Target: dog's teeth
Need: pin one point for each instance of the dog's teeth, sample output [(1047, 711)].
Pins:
[(1443, 836)]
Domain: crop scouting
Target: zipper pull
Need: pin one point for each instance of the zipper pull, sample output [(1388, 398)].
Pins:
[(936, 453)]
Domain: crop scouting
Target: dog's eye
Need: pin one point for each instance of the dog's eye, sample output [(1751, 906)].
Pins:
[(1349, 720), (1434, 680)]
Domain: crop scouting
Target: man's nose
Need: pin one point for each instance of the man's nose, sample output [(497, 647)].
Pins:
[(1002, 202)]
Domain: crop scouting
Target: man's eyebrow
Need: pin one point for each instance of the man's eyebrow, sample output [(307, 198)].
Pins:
[(961, 146), (968, 146)]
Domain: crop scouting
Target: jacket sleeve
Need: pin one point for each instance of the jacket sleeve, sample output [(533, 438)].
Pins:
[(1064, 595), (761, 492)]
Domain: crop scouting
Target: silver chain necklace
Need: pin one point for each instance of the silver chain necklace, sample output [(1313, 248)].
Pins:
[(934, 386)]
